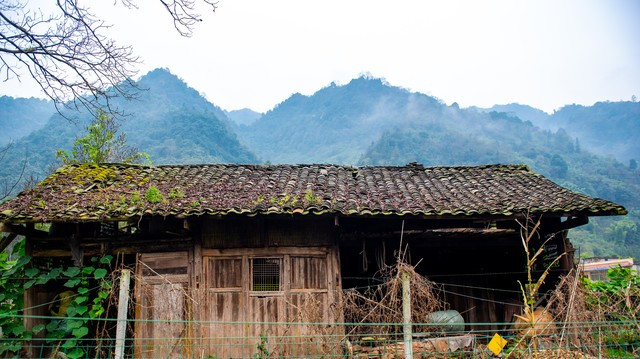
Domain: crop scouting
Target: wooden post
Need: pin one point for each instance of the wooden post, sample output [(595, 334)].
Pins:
[(123, 304), (406, 316)]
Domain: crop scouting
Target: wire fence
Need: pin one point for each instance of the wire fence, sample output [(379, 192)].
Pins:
[(219, 339)]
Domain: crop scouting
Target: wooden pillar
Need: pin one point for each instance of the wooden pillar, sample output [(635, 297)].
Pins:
[(123, 306), (406, 316)]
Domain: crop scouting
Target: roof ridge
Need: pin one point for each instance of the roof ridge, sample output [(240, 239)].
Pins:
[(298, 165)]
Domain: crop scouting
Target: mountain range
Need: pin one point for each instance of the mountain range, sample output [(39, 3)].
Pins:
[(590, 149)]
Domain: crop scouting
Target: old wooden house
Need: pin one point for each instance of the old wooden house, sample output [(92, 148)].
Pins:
[(220, 244)]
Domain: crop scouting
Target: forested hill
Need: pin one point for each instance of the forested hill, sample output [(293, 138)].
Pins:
[(336, 124), (168, 120), (606, 128), (21, 116)]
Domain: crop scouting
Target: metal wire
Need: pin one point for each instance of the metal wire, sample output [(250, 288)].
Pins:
[(614, 339)]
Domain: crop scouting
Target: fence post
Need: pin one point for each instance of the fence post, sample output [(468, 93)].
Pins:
[(406, 316), (123, 304)]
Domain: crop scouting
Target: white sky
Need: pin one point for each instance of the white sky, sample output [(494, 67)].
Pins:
[(255, 53)]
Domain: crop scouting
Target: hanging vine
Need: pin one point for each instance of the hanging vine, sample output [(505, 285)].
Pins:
[(72, 313)]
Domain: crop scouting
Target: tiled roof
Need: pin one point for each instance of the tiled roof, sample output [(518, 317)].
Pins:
[(117, 191)]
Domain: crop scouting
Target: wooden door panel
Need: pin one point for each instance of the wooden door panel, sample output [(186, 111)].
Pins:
[(161, 305), (223, 329), (308, 273)]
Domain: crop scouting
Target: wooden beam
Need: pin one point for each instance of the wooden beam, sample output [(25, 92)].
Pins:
[(7, 240), (21, 230), (574, 222), (436, 233), (11, 228)]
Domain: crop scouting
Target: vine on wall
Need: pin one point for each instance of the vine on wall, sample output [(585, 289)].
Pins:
[(83, 296)]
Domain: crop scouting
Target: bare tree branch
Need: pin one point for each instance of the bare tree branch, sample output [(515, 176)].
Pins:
[(69, 56)]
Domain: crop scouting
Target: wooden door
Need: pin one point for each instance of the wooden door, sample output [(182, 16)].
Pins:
[(163, 306)]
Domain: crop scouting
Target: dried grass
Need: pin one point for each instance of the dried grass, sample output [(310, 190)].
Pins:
[(378, 310)]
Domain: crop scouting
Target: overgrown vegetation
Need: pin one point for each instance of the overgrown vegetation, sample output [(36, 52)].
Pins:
[(71, 325)]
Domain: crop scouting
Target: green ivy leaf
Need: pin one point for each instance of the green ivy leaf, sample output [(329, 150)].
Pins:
[(71, 311), (72, 271), (81, 309), (106, 259), (31, 272), (43, 279), (69, 343), (83, 290), (88, 270), (71, 283), (18, 329), (29, 284), (75, 353), (100, 273), (38, 328), (81, 299), (73, 324), (22, 261), (55, 272), (52, 326), (96, 312), (80, 332)]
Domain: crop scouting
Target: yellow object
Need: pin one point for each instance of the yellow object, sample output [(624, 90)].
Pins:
[(496, 344), (60, 303)]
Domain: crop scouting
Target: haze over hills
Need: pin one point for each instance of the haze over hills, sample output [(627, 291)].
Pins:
[(606, 128), (368, 122), (243, 117), (21, 116), (336, 124)]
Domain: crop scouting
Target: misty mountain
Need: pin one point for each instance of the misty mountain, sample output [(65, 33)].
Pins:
[(243, 117), (524, 112), (606, 128), (168, 120), (21, 116), (336, 124)]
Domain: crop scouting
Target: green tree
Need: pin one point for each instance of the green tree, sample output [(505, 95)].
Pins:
[(102, 143)]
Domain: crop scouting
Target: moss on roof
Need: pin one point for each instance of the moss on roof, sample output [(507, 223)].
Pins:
[(119, 191)]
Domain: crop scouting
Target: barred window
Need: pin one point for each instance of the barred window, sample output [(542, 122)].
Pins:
[(266, 274)]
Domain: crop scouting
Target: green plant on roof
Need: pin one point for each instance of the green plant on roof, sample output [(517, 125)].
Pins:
[(135, 199), (153, 195), (122, 201), (284, 199), (311, 198), (176, 193), (102, 143)]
